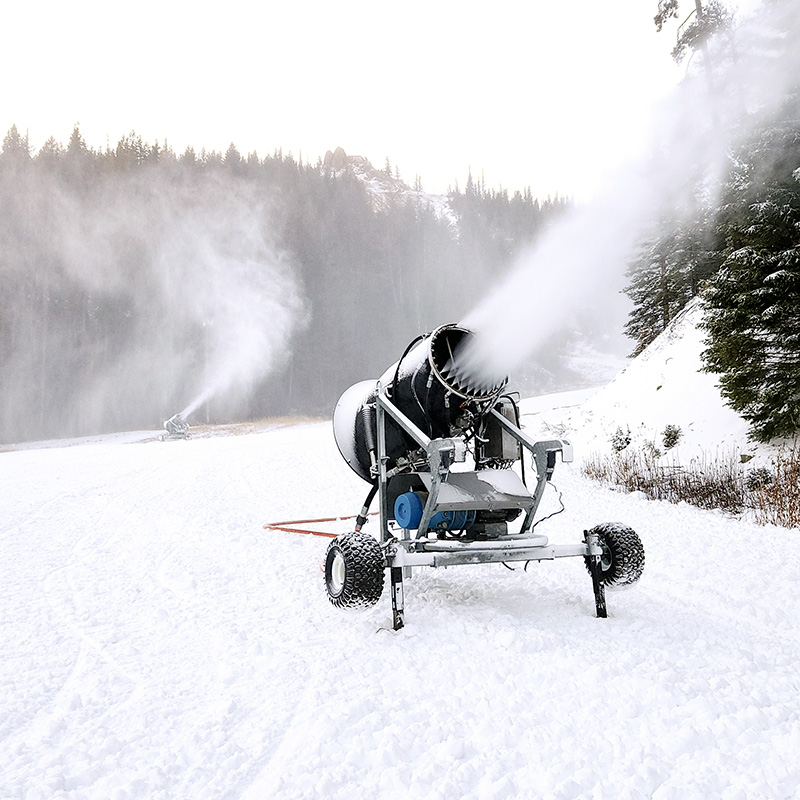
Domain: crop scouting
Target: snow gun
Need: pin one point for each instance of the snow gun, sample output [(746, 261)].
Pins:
[(176, 427), (408, 435)]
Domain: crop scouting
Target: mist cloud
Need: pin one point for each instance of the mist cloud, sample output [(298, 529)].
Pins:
[(578, 266), (185, 301)]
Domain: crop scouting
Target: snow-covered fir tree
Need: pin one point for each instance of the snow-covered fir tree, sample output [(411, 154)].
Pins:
[(753, 302)]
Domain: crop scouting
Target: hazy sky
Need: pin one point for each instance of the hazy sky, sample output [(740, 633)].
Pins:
[(541, 94)]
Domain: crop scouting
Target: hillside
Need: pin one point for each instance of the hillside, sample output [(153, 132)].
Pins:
[(386, 190), (663, 386)]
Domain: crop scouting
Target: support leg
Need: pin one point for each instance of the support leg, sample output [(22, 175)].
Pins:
[(597, 584), (398, 601)]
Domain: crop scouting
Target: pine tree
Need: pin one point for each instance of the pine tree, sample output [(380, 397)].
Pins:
[(753, 303), (705, 21), (51, 152), (668, 273), (76, 148), (189, 157), (232, 157), (131, 151), (16, 147), (655, 291)]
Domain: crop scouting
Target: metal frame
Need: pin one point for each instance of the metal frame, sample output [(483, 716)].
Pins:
[(404, 553)]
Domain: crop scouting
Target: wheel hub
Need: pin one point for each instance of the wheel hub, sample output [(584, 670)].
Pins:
[(605, 559), (337, 574)]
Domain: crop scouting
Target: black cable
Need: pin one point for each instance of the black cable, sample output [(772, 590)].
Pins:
[(405, 353), (361, 519), (370, 495), (555, 513)]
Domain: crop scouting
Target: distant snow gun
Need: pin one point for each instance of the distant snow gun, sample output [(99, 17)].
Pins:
[(408, 434), (176, 427)]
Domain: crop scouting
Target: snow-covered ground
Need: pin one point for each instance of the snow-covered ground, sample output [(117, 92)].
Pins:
[(159, 643)]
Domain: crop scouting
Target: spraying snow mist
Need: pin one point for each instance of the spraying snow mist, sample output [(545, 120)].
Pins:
[(153, 293), (239, 289), (577, 268)]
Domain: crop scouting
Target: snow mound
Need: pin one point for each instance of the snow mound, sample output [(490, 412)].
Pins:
[(665, 385)]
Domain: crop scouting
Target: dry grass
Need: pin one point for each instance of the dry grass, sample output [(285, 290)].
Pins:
[(719, 483), (778, 502)]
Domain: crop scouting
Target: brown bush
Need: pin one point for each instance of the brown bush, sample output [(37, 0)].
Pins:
[(719, 483), (778, 502)]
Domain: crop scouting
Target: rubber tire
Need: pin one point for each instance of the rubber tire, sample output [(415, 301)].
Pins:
[(622, 563), (354, 571)]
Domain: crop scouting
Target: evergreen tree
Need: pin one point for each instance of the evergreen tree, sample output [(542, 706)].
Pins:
[(233, 157), (50, 152), (189, 157), (705, 21), (131, 152), (753, 303), (76, 148), (16, 148), (668, 273)]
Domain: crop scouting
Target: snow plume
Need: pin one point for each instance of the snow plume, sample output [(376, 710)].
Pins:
[(225, 302), (238, 289), (154, 293), (577, 268)]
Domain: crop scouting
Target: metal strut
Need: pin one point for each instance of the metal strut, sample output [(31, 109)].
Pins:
[(398, 601), (593, 542)]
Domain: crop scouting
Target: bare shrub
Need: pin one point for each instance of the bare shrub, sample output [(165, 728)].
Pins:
[(704, 483), (777, 502), (718, 483)]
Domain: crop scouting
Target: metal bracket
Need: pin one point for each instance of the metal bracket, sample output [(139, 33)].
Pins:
[(543, 454), (398, 600), (595, 551), (441, 454)]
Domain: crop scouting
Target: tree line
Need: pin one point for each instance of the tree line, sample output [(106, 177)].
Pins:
[(738, 247), (119, 266)]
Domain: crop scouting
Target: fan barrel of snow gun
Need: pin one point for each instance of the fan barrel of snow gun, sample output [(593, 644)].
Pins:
[(431, 385)]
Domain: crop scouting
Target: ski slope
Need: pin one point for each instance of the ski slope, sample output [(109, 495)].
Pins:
[(159, 643)]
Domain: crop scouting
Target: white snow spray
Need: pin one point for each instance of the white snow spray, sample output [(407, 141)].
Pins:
[(200, 303), (578, 265), (239, 290)]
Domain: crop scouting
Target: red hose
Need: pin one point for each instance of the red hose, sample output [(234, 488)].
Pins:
[(281, 526)]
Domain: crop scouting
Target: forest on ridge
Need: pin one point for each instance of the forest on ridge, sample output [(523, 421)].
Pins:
[(136, 280), (733, 237)]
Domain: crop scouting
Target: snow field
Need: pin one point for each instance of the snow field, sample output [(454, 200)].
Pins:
[(158, 643)]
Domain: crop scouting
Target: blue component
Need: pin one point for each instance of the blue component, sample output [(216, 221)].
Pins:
[(452, 520), (408, 513), (408, 510)]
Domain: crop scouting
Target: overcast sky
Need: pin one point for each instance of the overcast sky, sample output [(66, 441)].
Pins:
[(541, 94)]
